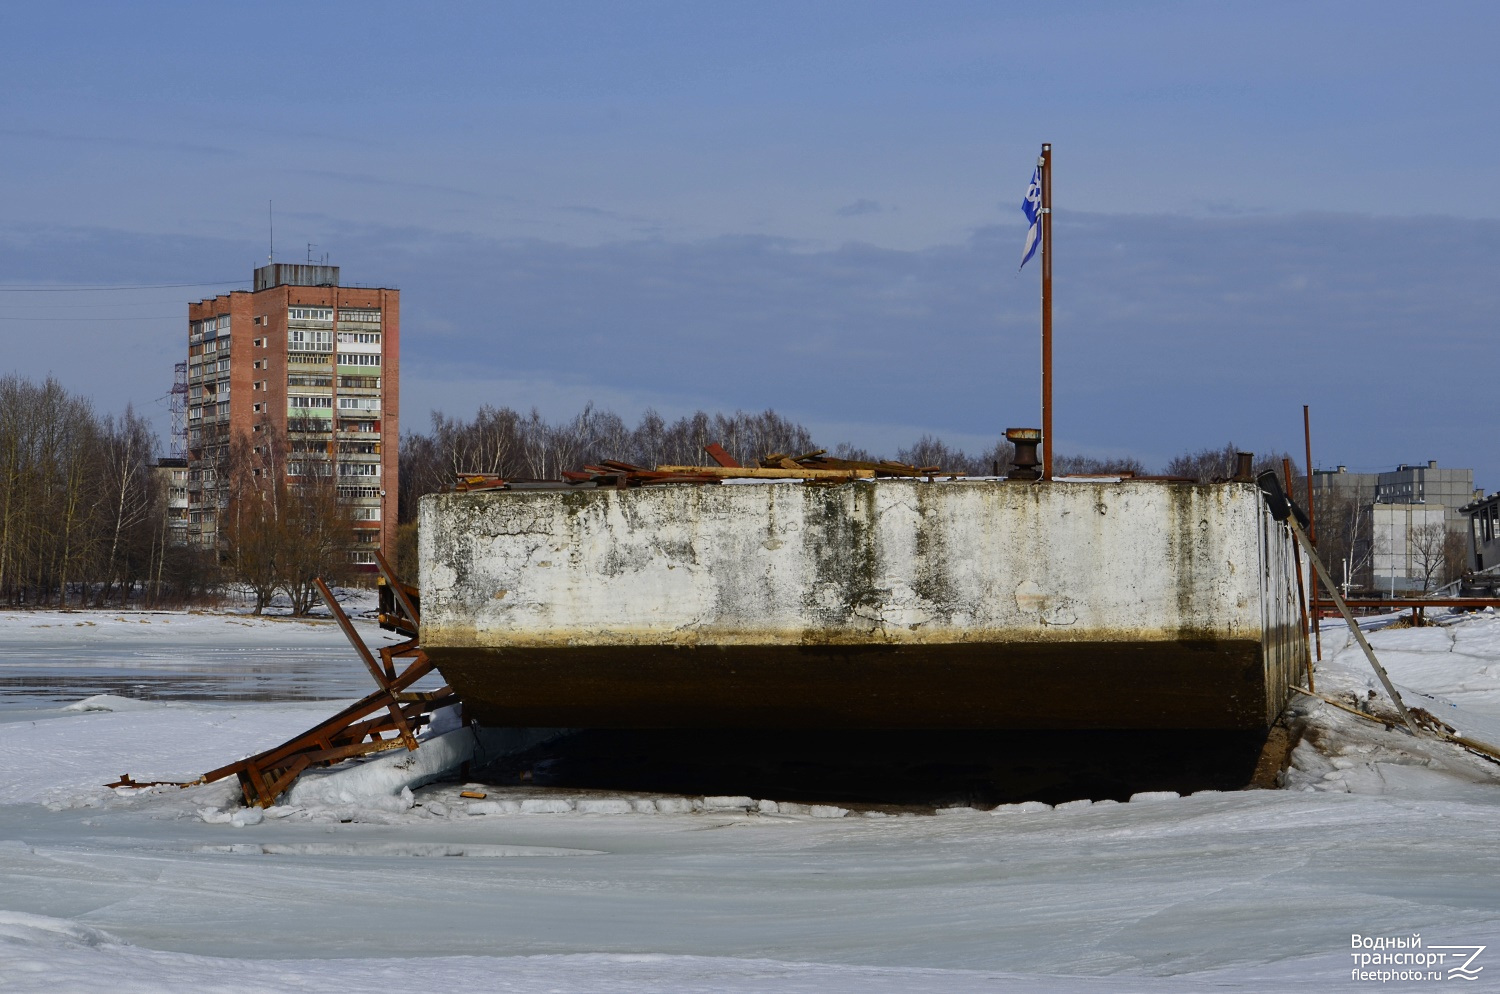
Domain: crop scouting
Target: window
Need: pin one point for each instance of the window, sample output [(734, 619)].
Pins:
[(309, 313), (298, 400), (359, 469), (359, 403), (362, 558), (362, 314), (257, 408), (259, 343), (309, 358), (297, 339), (352, 493), (359, 337), (366, 514), (305, 380), (360, 382), (358, 359)]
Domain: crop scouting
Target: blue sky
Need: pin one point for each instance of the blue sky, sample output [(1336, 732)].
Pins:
[(805, 206)]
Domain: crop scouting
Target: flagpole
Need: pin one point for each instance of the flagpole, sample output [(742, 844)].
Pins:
[(1046, 212)]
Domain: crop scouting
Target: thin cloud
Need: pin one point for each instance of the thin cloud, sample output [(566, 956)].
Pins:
[(1172, 331), (860, 207)]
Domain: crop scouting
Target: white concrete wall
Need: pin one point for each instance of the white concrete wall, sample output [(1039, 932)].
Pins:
[(890, 562)]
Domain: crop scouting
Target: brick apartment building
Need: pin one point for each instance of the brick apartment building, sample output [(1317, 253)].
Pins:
[(308, 369)]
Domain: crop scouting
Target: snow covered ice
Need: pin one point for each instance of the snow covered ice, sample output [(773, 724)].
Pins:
[(374, 876)]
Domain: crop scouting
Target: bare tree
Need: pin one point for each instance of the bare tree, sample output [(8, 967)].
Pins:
[(317, 530), (1427, 554), (1214, 465), (253, 523), (133, 501), (1455, 555), (1346, 533), (1064, 465)]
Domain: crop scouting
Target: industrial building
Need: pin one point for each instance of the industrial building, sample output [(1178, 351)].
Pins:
[(302, 373), (1450, 488), (1483, 516), (1399, 508), (1407, 555)]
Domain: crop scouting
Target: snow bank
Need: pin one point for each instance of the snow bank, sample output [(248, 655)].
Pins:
[(1451, 669), (633, 892), (63, 757), (111, 702), (376, 780), (41, 954)]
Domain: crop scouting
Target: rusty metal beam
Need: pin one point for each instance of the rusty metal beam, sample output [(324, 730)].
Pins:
[(1406, 602), (359, 729), (397, 588)]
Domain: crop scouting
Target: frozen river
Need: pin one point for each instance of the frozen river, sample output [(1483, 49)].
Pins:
[(536, 889), (54, 659)]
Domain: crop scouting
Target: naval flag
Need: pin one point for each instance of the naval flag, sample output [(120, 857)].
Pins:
[(1031, 206)]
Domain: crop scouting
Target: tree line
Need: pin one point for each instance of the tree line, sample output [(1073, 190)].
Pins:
[(502, 442), (83, 516), (83, 513), (82, 519)]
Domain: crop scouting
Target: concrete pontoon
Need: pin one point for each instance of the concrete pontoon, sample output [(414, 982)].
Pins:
[(889, 604)]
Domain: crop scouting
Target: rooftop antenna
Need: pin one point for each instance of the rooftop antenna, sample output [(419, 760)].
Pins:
[(310, 247), (271, 220)]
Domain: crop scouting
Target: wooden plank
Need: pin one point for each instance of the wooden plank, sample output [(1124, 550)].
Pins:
[(717, 454), (877, 467), (762, 473)]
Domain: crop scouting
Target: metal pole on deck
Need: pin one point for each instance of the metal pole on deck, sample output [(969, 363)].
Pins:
[(1046, 211), (1312, 517), (1286, 471), (1312, 532)]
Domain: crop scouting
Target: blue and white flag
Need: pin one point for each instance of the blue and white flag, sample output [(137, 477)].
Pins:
[(1032, 208)]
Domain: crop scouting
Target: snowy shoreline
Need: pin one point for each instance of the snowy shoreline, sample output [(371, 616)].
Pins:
[(1374, 833)]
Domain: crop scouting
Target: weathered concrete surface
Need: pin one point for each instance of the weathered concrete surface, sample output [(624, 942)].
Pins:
[(892, 604)]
